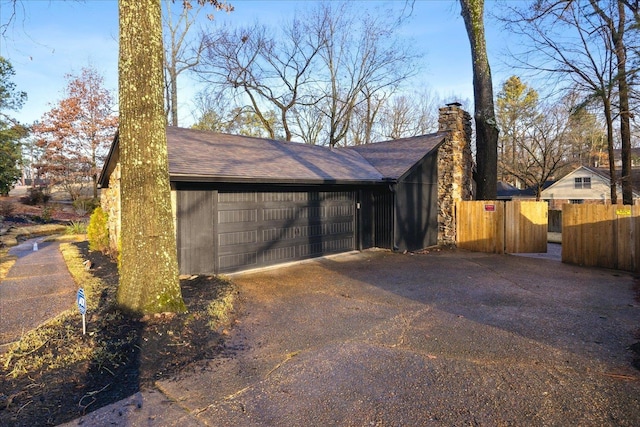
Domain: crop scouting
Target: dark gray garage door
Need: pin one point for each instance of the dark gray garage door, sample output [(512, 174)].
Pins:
[(255, 229), (223, 231)]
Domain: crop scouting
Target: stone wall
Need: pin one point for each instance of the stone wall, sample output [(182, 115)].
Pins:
[(455, 168), (110, 203)]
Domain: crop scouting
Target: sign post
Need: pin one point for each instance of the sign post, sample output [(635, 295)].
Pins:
[(82, 306)]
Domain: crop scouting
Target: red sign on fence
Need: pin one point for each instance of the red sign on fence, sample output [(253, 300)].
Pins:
[(489, 208)]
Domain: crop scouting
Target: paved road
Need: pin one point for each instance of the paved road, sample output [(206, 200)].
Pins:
[(443, 339), (37, 288)]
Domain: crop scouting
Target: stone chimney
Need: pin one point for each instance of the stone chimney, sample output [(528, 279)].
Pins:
[(455, 168)]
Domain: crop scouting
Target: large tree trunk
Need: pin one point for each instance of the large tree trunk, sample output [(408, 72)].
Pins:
[(608, 115), (486, 128), (617, 34), (623, 88), (148, 268)]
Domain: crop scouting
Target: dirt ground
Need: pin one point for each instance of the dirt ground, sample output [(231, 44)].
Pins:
[(142, 352), (59, 208)]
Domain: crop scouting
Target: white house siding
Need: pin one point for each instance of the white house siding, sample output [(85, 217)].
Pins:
[(564, 191)]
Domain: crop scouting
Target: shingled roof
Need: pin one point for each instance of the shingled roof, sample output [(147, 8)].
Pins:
[(396, 157), (196, 155)]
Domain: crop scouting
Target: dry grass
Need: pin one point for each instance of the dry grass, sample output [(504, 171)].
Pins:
[(12, 238), (59, 343), (220, 309), (6, 262), (68, 238)]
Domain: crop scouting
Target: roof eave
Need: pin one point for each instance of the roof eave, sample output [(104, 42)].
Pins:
[(276, 181), (109, 163)]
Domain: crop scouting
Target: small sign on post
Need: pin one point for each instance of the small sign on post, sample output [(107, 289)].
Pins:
[(490, 208), (82, 306)]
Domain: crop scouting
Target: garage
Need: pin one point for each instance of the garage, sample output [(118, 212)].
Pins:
[(242, 202), (251, 229)]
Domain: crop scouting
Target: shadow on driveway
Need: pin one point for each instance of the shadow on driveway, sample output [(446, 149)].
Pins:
[(445, 339)]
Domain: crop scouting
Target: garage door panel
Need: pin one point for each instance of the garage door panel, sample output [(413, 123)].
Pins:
[(323, 247), (258, 229), (278, 255), (232, 216), (280, 196), (237, 197), (340, 228), (237, 261), (273, 234), (234, 238)]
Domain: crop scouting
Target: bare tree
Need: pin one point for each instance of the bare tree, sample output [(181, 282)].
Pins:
[(540, 151), (586, 135), (615, 21), (326, 63), (570, 40), (10, 10), (365, 117), (364, 60), (486, 127), (179, 55), (428, 105), (405, 116), (309, 126), (251, 62), (76, 132)]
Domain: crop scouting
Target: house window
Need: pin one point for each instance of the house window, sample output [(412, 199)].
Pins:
[(576, 201), (583, 183)]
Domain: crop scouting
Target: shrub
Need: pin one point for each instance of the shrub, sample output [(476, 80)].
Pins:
[(47, 213), (85, 206), (77, 227), (36, 196), (7, 208), (97, 231)]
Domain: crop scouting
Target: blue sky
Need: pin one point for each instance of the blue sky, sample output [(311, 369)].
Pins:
[(52, 38)]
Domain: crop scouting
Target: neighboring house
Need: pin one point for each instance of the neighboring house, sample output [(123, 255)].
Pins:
[(583, 185), (242, 202)]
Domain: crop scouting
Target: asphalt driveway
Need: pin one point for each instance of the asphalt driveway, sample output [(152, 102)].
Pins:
[(37, 288), (449, 338)]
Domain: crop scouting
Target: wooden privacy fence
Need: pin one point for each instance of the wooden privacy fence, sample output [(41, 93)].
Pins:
[(499, 227), (601, 236)]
